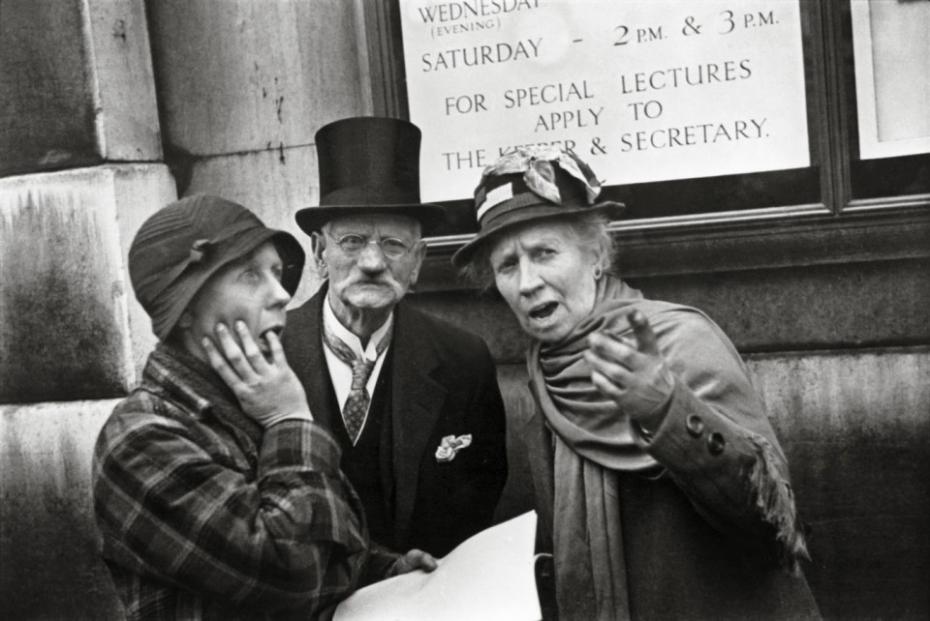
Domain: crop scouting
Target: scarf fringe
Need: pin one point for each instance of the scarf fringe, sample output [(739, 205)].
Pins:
[(775, 500)]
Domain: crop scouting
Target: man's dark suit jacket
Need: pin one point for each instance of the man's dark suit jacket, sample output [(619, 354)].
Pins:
[(443, 383)]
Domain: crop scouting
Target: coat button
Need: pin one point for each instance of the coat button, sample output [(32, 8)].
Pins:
[(715, 443), (694, 425)]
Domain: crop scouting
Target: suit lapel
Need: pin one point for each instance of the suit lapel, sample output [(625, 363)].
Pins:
[(307, 359), (416, 401)]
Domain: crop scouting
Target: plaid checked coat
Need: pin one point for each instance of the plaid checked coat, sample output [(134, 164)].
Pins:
[(202, 515)]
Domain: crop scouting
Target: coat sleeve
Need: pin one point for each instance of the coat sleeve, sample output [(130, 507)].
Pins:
[(287, 534), (716, 442)]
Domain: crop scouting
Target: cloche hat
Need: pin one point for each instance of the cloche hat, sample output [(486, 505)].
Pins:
[(179, 247)]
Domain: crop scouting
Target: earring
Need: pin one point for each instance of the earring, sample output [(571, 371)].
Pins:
[(598, 272)]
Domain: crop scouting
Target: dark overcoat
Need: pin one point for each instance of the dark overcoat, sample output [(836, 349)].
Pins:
[(443, 382)]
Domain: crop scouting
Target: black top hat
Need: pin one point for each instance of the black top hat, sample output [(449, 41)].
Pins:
[(369, 165)]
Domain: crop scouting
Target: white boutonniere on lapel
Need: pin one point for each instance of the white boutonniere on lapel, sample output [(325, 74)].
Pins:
[(450, 446)]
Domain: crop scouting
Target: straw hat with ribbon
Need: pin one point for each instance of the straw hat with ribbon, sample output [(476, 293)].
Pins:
[(530, 184)]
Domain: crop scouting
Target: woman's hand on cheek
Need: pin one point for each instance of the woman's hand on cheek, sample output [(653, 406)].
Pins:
[(632, 374), (267, 389)]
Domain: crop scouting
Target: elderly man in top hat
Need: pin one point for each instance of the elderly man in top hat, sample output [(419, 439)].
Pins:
[(412, 400)]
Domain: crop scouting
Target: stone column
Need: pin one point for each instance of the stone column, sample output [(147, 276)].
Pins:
[(243, 87), (80, 168)]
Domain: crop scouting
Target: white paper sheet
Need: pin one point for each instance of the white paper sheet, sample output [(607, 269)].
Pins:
[(489, 576)]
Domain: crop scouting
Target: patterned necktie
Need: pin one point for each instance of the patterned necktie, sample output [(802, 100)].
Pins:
[(356, 406)]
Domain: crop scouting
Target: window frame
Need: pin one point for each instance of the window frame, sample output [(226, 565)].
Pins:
[(838, 228)]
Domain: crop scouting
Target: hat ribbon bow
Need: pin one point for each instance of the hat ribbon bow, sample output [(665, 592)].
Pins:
[(536, 165), (201, 249)]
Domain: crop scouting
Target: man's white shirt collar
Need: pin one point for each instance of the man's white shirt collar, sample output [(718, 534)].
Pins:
[(339, 372), (332, 323)]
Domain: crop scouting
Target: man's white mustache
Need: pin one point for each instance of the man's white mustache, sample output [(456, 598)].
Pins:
[(366, 281)]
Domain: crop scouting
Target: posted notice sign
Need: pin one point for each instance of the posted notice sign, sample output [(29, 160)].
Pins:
[(643, 90)]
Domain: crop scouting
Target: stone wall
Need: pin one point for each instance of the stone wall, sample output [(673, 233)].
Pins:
[(50, 567)]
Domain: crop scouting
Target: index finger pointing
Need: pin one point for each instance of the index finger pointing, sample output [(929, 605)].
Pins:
[(645, 337)]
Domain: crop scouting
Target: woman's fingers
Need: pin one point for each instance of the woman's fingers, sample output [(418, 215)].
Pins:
[(632, 355), (608, 387), (267, 391), (219, 364), (645, 337), (274, 346), (614, 349), (619, 364), (234, 355), (608, 368), (633, 375), (250, 348)]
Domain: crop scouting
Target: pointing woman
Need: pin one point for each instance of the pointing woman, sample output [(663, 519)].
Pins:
[(661, 489)]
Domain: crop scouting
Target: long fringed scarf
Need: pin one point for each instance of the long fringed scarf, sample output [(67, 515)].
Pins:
[(592, 441)]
